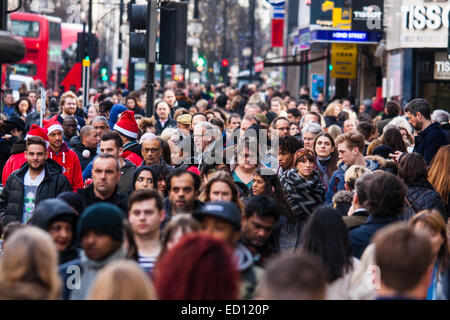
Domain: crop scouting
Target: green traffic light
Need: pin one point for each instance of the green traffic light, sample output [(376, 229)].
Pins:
[(86, 58), (201, 61), (105, 78), (330, 67)]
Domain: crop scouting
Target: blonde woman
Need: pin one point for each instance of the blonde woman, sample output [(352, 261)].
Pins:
[(331, 113), (277, 105), (122, 280), (29, 266)]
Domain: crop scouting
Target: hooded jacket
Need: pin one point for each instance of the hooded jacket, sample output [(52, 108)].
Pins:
[(127, 173), (337, 181), (68, 159), (16, 160), (11, 198), (132, 152), (250, 273), (78, 147), (44, 215), (89, 271)]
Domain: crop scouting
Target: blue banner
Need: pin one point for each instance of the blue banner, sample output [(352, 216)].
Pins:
[(345, 36)]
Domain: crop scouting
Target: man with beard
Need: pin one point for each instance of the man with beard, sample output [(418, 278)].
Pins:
[(429, 136), (261, 215), (60, 152), (38, 179), (69, 108), (183, 189)]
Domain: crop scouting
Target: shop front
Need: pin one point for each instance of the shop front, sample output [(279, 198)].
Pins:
[(416, 41)]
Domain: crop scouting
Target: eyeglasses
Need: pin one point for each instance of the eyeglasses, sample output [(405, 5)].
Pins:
[(152, 150)]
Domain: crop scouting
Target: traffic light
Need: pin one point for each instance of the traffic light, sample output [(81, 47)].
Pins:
[(201, 61), (11, 49), (143, 42), (224, 70), (104, 74), (87, 46), (173, 33)]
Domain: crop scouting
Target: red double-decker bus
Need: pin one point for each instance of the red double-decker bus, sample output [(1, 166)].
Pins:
[(71, 70), (42, 37)]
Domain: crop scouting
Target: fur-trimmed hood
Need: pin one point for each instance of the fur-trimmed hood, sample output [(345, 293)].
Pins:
[(385, 164)]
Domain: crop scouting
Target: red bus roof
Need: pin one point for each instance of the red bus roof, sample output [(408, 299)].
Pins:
[(69, 33)]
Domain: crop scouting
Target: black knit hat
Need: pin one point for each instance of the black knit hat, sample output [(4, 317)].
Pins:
[(104, 217)]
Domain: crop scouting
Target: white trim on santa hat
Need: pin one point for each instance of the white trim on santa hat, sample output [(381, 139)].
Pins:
[(46, 141), (125, 132), (54, 128)]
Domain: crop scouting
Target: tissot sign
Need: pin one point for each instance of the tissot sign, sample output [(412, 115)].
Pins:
[(367, 15), (417, 24)]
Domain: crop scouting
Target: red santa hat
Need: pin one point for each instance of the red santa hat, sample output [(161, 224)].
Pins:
[(36, 131), (52, 124), (127, 125)]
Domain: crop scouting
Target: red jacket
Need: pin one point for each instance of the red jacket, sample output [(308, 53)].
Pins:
[(14, 163), (133, 157), (72, 168)]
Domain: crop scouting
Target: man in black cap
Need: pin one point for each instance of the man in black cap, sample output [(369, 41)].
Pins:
[(222, 220), (100, 230)]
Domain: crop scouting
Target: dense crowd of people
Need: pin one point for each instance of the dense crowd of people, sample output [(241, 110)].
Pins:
[(223, 193)]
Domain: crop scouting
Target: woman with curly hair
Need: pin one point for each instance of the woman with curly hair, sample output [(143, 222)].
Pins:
[(305, 191)]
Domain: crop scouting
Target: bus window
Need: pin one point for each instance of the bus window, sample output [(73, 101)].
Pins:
[(55, 31), (24, 69), (26, 29)]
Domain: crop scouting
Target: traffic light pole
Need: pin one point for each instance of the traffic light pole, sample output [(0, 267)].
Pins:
[(3, 9), (130, 59), (151, 55), (119, 56)]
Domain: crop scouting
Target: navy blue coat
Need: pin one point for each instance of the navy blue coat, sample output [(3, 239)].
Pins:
[(428, 142), (361, 236)]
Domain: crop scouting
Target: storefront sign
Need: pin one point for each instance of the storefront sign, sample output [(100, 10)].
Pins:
[(344, 59), (367, 15), (416, 23), (345, 36), (322, 13), (304, 39), (441, 66), (395, 75)]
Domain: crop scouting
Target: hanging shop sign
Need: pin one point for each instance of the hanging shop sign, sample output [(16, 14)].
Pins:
[(367, 15), (343, 60)]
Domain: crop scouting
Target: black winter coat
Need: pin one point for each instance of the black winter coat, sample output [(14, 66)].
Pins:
[(78, 148), (117, 198), (170, 123), (11, 198), (421, 195)]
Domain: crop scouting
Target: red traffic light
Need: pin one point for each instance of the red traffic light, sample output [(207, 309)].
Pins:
[(225, 63)]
